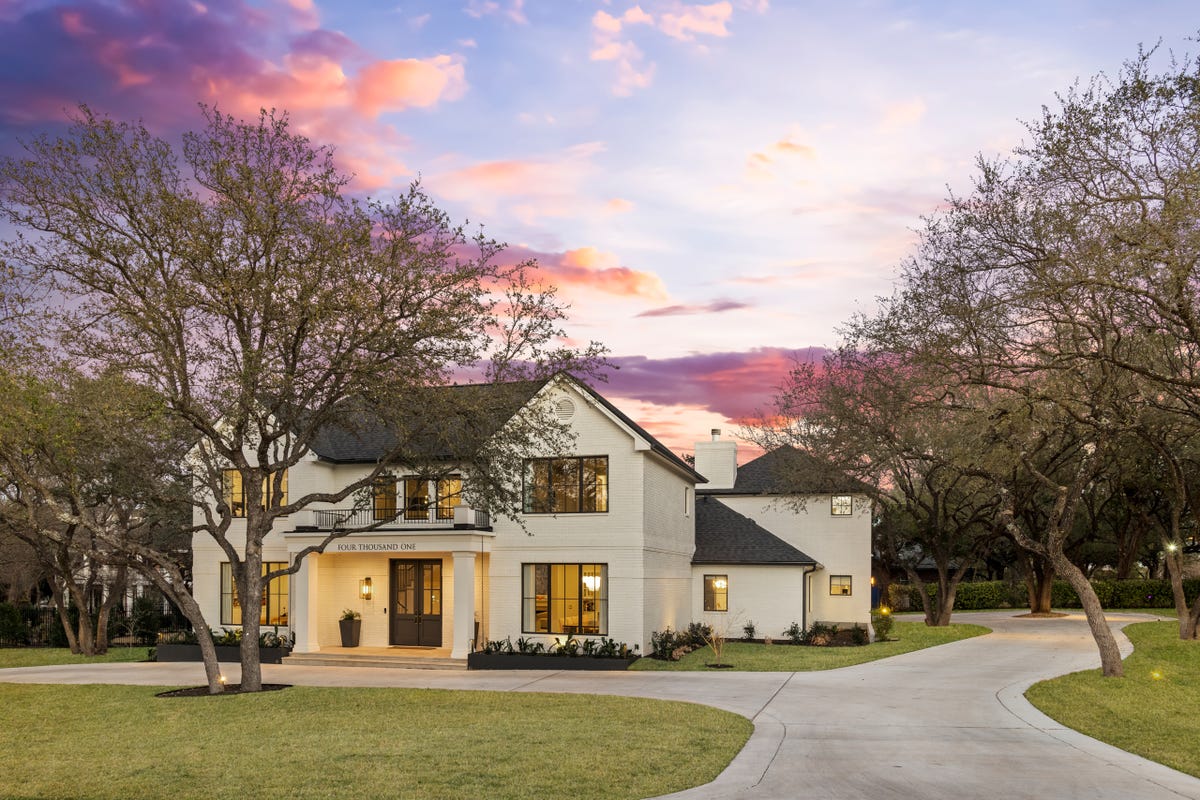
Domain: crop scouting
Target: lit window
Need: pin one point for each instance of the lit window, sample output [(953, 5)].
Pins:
[(416, 498), (839, 584), (566, 485), (716, 592), (383, 498), (449, 495), (565, 598), (841, 505), (234, 494), (273, 610)]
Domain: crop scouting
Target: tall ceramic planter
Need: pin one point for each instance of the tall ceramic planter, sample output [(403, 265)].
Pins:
[(350, 628)]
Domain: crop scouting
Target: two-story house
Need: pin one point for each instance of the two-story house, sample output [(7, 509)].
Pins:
[(610, 543)]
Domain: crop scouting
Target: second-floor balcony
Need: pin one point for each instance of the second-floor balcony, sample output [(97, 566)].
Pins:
[(340, 519)]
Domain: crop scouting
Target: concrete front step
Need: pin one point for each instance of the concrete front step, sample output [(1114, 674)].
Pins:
[(387, 662)]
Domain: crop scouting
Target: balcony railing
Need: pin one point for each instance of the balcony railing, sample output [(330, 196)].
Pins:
[(354, 518)]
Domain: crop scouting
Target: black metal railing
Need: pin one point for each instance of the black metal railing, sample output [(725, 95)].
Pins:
[(350, 518)]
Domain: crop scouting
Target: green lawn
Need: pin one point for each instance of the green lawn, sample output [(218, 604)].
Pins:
[(47, 656), (1153, 711), (304, 742), (745, 656)]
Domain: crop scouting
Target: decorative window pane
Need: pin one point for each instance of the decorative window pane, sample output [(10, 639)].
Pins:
[(839, 584), (416, 498), (449, 495), (716, 592), (841, 505), (383, 494), (273, 608), (565, 598), (566, 485)]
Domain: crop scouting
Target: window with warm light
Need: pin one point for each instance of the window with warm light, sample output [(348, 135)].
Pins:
[(233, 492), (449, 496), (383, 498), (716, 592), (839, 584), (416, 499), (841, 505), (273, 608), (564, 598), (566, 485)]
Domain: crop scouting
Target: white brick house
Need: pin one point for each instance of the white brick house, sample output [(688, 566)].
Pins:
[(607, 549)]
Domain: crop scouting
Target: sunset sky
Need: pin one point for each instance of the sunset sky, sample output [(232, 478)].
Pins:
[(713, 186)]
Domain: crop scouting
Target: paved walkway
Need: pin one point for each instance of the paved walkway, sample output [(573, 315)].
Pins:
[(948, 722)]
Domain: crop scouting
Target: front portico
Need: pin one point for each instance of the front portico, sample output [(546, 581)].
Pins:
[(427, 589)]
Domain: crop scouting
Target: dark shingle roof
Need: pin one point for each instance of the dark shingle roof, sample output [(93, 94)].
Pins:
[(723, 536), (787, 470), (446, 423)]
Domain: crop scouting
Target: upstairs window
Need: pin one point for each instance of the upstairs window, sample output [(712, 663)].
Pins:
[(716, 592), (383, 498), (449, 496), (841, 505), (566, 485), (416, 499), (233, 492)]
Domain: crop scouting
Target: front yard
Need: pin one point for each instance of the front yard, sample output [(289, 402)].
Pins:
[(305, 742), (1153, 711), (751, 657), (50, 656)]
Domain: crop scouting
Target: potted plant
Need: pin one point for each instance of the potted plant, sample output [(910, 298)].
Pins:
[(351, 626)]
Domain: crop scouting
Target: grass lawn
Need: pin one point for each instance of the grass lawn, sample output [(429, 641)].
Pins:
[(47, 656), (305, 742), (749, 657), (1153, 711)]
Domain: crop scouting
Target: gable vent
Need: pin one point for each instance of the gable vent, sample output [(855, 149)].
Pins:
[(564, 409)]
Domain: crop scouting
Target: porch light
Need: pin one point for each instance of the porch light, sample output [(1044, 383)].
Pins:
[(364, 588), (720, 583)]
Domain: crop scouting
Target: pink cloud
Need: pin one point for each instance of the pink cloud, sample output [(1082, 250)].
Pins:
[(587, 269), (618, 205), (715, 307), (403, 83), (686, 21)]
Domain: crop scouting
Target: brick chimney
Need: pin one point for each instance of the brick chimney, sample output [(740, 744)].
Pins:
[(717, 460)]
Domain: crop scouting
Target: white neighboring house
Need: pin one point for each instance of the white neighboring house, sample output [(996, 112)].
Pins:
[(778, 541), (607, 550)]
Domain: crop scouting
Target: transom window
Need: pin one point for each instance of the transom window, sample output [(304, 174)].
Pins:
[(716, 592), (839, 584), (841, 505), (273, 608), (233, 492), (564, 598), (566, 485)]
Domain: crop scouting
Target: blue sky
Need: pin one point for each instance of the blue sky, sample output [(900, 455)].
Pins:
[(714, 186)]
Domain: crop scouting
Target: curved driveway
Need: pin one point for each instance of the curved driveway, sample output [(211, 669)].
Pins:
[(947, 722)]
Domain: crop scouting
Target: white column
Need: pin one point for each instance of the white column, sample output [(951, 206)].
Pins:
[(464, 603), (304, 606)]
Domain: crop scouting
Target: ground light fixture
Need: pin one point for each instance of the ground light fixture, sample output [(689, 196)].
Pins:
[(364, 588)]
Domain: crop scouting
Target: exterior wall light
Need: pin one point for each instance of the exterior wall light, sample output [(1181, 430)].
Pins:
[(364, 588)]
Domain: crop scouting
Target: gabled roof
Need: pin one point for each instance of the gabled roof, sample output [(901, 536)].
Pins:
[(442, 420), (787, 470), (723, 536), (459, 417)]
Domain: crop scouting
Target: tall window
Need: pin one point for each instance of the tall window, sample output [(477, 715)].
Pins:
[(383, 498), (234, 493), (273, 608), (716, 592), (839, 584), (416, 498), (841, 505), (566, 485), (449, 495), (565, 598)]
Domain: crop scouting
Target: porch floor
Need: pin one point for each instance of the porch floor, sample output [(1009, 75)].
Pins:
[(389, 657)]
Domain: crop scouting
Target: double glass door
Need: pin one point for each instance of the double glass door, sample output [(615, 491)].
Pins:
[(416, 608)]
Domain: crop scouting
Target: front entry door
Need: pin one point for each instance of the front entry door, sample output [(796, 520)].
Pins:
[(416, 613)]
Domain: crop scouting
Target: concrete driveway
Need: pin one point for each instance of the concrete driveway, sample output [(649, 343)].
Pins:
[(948, 722)]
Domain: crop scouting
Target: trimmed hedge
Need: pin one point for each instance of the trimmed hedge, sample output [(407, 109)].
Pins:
[(975, 596)]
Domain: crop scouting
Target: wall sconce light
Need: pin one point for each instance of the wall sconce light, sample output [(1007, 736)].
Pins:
[(364, 588)]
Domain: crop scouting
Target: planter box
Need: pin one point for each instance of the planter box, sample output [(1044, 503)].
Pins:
[(526, 661), (350, 630), (225, 653)]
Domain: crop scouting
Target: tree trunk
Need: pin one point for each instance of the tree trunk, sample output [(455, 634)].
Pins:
[(945, 605), (1106, 643), (926, 604), (1039, 585), (252, 578), (65, 618), (114, 590), (186, 603)]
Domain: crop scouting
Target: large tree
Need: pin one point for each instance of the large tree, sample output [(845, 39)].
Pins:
[(237, 278)]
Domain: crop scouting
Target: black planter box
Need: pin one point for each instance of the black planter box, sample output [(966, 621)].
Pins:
[(526, 661), (225, 653), (350, 630)]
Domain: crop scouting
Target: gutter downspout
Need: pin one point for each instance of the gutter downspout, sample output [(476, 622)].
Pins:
[(806, 594)]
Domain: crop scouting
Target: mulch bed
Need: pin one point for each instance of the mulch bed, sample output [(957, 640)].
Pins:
[(230, 688)]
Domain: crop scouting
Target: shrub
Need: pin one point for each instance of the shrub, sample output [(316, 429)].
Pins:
[(13, 630), (748, 630), (794, 633), (698, 634), (883, 622)]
